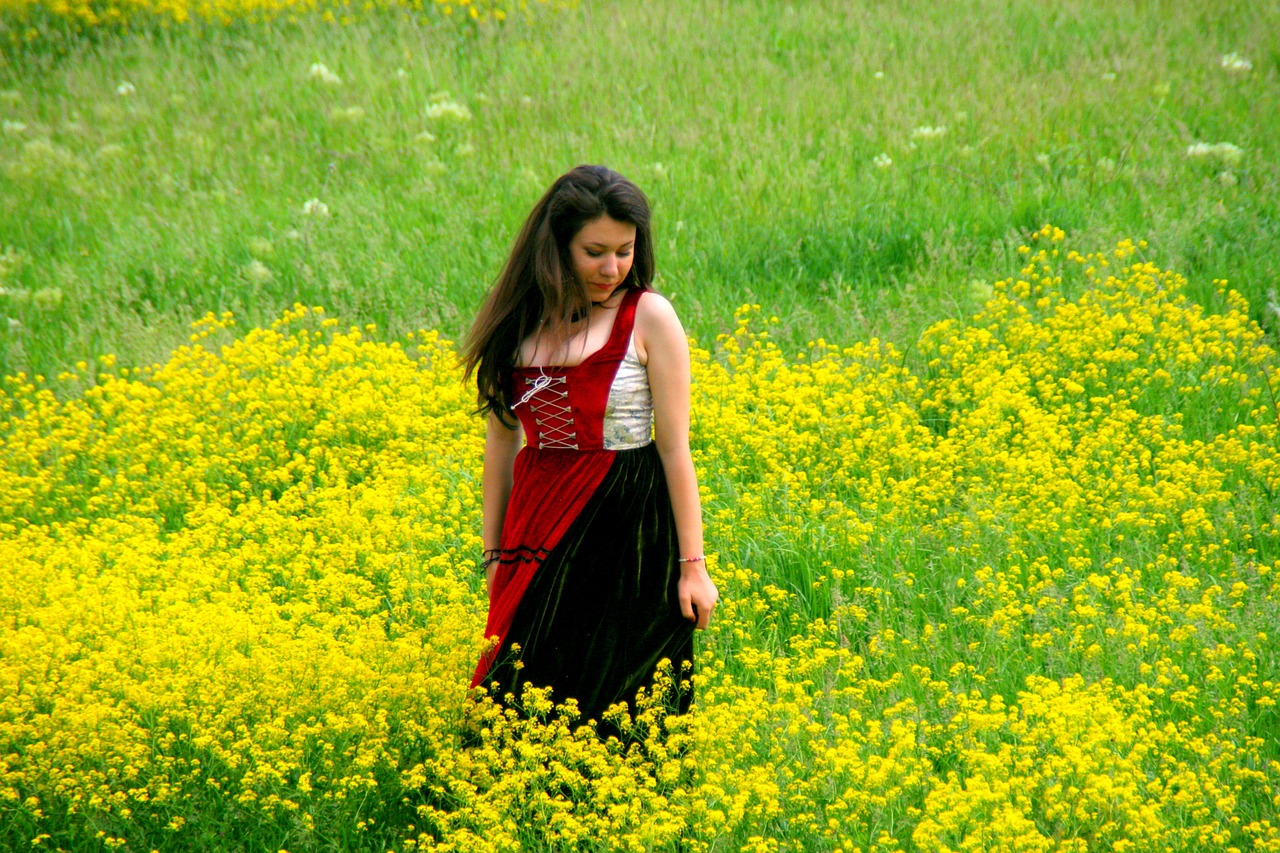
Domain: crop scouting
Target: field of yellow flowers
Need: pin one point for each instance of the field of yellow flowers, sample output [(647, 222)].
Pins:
[(1015, 589)]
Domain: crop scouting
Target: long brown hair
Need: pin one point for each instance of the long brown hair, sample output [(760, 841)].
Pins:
[(537, 287)]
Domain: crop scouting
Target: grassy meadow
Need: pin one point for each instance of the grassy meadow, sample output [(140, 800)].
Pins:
[(992, 503), (755, 127)]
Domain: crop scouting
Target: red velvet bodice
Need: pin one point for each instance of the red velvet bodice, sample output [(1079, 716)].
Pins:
[(563, 408)]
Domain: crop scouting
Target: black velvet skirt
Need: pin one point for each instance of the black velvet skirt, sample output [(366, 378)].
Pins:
[(602, 610)]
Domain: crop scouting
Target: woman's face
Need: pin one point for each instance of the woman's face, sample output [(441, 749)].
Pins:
[(602, 252)]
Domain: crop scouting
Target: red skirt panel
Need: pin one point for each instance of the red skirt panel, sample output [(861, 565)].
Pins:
[(550, 489)]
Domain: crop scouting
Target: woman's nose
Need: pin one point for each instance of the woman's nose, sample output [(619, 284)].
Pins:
[(609, 266)]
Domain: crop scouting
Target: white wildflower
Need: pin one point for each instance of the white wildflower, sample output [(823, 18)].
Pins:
[(315, 207), (14, 127), (1043, 159), (425, 137), (1109, 76), (257, 272), (464, 149), (260, 247), (1234, 63), (435, 167), (928, 132), (319, 71), (1224, 151), (1229, 153), (14, 324), (659, 170), (401, 74), (443, 107), (1227, 178), (883, 161), (351, 114), (879, 75), (125, 89)]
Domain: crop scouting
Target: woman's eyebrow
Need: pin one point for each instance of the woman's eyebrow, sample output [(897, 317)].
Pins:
[(606, 245)]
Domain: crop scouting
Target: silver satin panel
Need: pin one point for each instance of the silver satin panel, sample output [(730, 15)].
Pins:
[(628, 416)]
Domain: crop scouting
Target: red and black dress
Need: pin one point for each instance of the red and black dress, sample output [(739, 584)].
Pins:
[(584, 599)]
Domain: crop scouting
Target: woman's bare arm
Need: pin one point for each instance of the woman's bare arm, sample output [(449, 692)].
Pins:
[(664, 349), (500, 448)]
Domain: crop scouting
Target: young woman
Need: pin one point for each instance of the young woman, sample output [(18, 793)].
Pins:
[(592, 524)]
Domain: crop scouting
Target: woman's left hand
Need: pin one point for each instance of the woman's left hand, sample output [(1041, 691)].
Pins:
[(698, 595)]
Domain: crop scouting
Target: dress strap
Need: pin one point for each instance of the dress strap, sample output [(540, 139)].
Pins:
[(620, 336)]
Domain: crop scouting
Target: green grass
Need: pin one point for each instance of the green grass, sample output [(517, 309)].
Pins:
[(752, 126)]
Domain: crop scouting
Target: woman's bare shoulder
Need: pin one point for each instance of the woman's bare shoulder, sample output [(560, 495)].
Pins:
[(655, 310), (656, 325)]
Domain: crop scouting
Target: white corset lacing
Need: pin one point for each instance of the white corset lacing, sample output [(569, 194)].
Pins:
[(548, 398)]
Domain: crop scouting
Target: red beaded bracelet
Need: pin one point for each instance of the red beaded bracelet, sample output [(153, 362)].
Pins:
[(690, 559)]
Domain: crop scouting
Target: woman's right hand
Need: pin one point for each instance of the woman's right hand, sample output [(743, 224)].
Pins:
[(698, 594)]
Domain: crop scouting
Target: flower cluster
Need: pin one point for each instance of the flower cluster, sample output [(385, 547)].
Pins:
[(929, 132), (81, 14), (1224, 151), (319, 71), (442, 106), (1234, 63), (1015, 590)]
